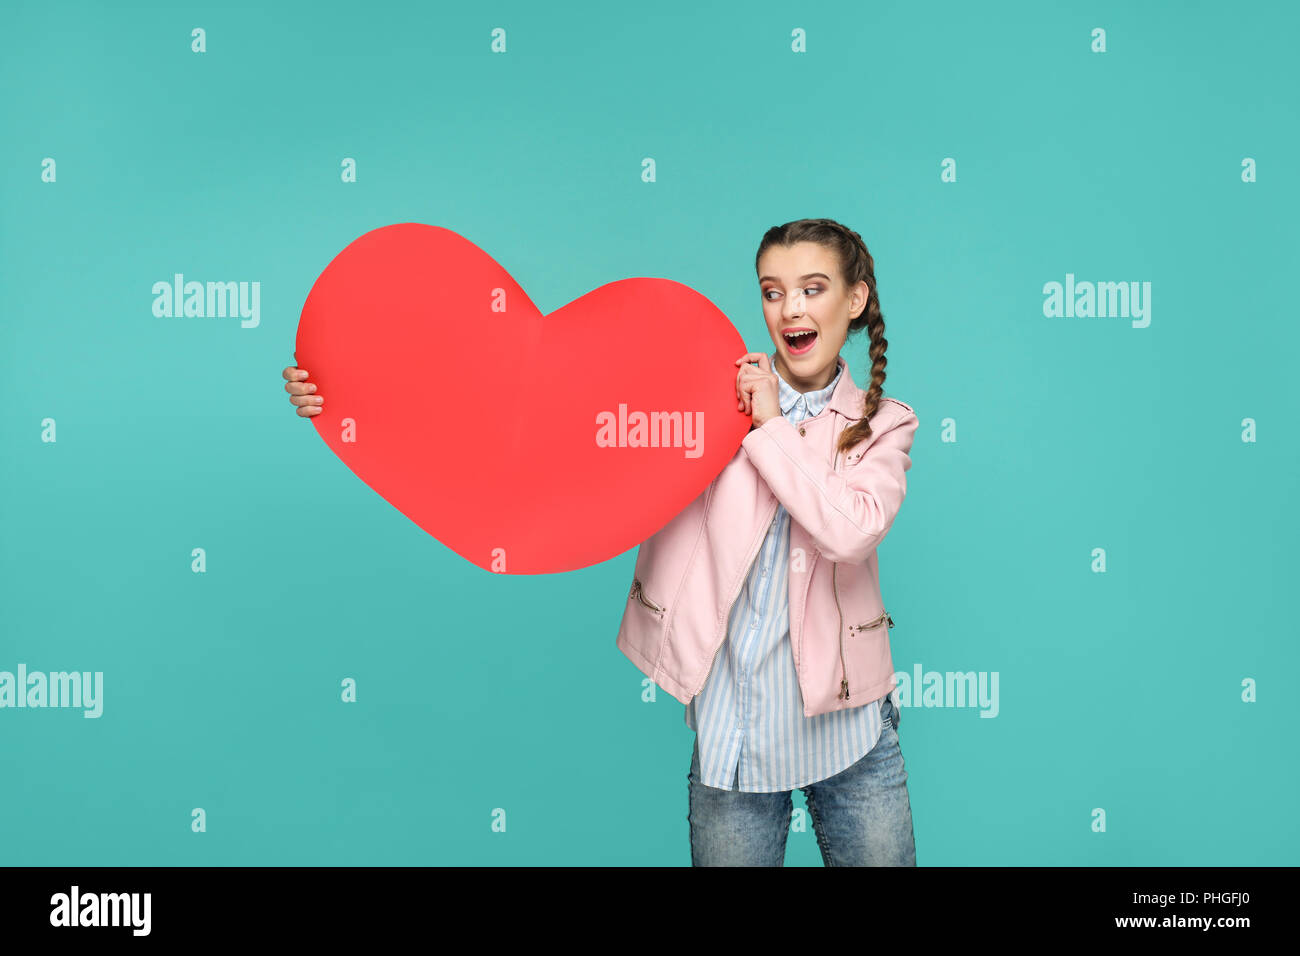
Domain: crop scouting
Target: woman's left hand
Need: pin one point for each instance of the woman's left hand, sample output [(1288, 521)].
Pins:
[(756, 388)]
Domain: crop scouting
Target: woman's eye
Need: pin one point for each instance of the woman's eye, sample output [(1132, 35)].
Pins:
[(810, 289)]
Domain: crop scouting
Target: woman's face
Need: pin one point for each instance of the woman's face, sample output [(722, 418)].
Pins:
[(802, 289)]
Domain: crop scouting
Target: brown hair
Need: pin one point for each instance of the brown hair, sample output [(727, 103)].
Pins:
[(856, 265)]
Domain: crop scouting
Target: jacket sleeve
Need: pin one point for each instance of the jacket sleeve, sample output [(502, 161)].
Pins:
[(847, 512)]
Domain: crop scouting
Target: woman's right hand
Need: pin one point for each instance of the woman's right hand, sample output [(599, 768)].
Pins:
[(301, 392)]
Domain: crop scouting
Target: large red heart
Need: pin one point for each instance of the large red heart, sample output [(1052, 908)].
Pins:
[(454, 398)]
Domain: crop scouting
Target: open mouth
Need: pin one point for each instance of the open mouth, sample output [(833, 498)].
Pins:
[(800, 342)]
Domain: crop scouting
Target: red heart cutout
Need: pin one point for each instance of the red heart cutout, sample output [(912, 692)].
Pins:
[(454, 398)]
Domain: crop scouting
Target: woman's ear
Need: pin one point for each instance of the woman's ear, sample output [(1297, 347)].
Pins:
[(862, 294)]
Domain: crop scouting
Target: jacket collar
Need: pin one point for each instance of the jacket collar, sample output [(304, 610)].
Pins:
[(847, 397)]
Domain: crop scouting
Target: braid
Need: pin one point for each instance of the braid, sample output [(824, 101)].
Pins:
[(863, 269)]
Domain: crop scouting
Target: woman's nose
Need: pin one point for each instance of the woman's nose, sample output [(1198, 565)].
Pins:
[(795, 303)]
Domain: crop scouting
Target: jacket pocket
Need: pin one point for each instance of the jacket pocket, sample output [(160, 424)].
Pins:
[(870, 663), (874, 622), (638, 594), (641, 633)]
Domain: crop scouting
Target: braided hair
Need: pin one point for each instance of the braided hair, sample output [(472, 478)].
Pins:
[(856, 265)]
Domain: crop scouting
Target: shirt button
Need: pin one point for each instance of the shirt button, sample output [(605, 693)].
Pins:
[(801, 431)]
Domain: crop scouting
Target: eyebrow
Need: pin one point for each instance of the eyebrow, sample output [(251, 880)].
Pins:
[(810, 275)]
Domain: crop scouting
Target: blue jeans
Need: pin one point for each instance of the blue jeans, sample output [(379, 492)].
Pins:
[(862, 815)]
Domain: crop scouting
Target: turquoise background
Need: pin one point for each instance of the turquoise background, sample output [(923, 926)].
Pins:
[(1119, 690)]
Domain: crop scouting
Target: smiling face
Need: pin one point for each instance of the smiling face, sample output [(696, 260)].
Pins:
[(803, 291)]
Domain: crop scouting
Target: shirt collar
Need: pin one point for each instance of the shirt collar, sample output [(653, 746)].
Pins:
[(815, 401)]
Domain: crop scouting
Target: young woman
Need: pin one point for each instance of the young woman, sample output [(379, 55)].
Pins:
[(759, 607)]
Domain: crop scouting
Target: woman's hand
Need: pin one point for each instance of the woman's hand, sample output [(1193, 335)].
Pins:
[(301, 392), (756, 388)]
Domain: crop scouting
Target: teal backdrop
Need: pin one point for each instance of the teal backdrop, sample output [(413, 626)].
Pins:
[(1100, 513)]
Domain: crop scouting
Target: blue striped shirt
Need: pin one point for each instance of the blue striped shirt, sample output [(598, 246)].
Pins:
[(748, 718)]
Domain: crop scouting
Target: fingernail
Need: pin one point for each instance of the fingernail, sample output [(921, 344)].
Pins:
[(311, 388)]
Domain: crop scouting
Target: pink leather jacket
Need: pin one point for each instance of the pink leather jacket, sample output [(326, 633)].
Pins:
[(690, 572)]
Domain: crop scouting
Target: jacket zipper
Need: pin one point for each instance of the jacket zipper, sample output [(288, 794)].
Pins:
[(844, 671)]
